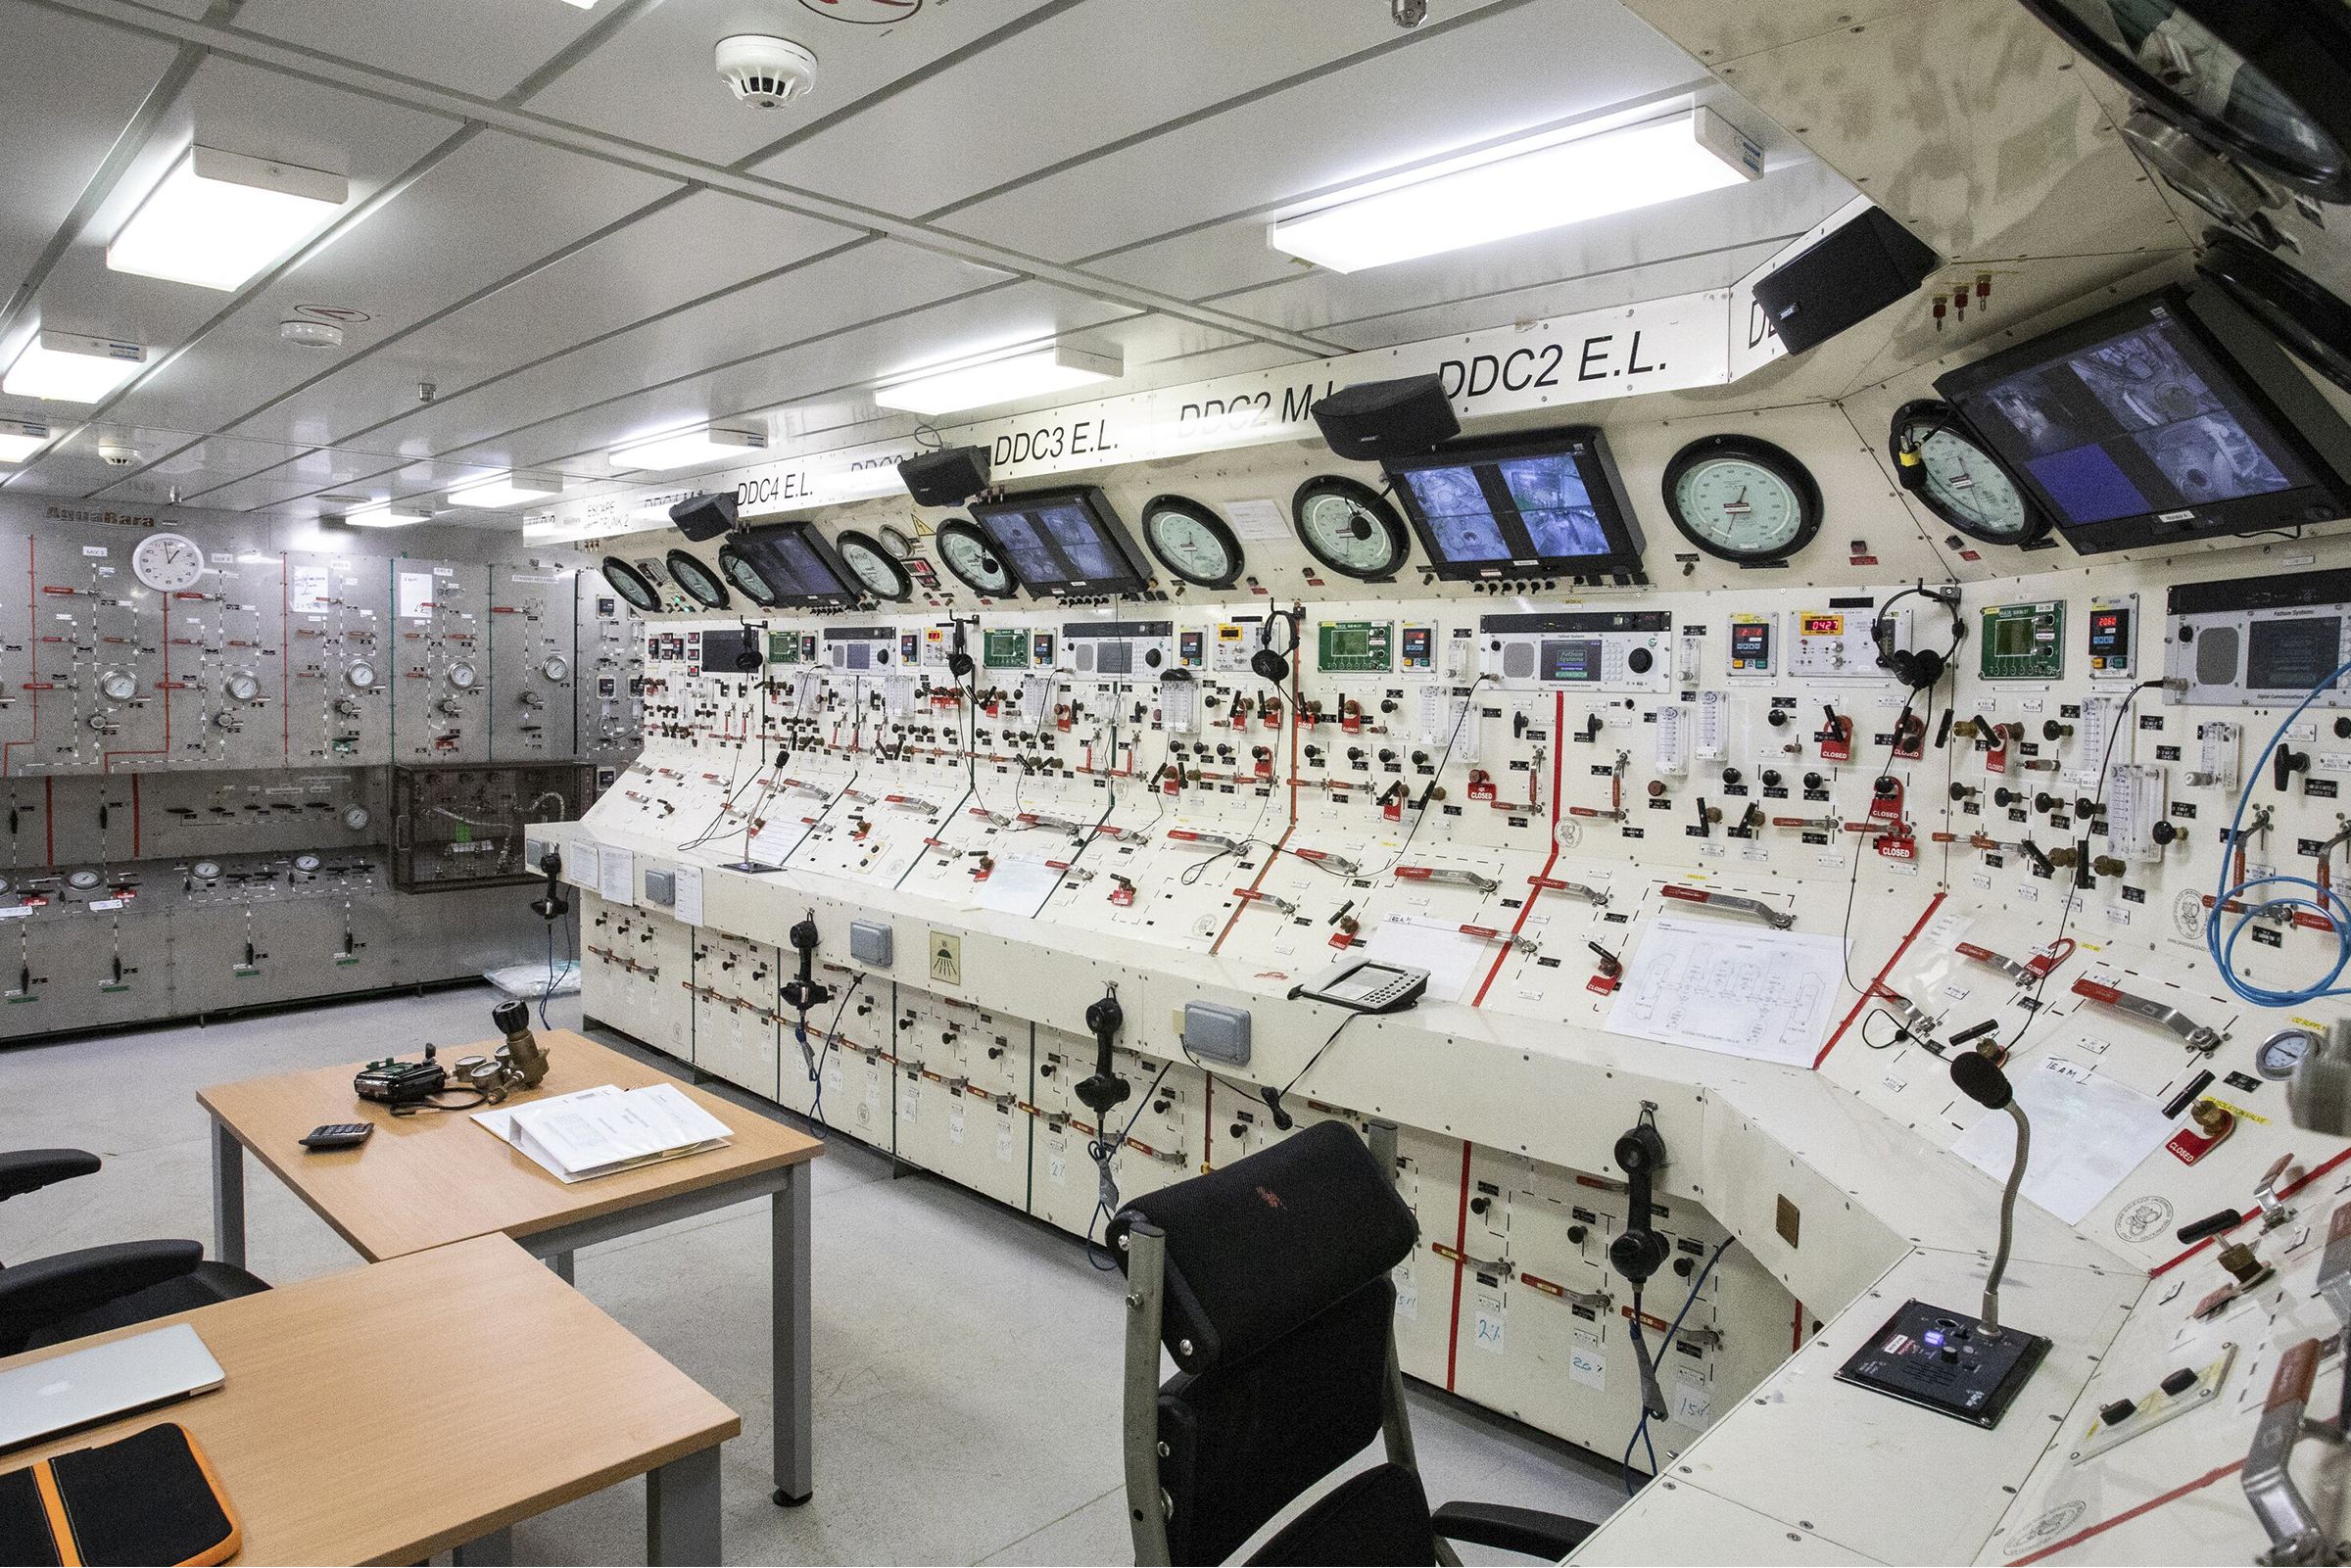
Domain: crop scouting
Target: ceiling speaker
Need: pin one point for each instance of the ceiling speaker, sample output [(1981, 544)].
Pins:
[(704, 516), (1375, 419), (947, 478), (1843, 279)]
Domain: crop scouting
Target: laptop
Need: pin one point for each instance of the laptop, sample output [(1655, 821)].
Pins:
[(83, 1388)]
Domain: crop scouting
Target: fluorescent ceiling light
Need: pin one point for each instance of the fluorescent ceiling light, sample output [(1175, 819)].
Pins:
[(998, 378), (1515, 189), (383, 514), (686, 448), (506, 490), (67, 367), (218, 219), (20, 439)]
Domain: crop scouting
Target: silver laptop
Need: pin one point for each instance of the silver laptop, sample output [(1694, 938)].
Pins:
[(82, 1388)]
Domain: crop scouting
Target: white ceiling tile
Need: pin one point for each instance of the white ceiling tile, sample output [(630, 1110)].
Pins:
[(475, 46), (1114, 68), (1536, 64), (494, 206), (655, 80)]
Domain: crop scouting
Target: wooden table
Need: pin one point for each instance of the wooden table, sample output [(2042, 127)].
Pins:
[(426, 1404), (427, 1181)]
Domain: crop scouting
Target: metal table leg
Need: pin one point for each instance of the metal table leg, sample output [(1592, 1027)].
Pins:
[(789, 1304), (492, 1550), (228, 1196), (680, 1509)]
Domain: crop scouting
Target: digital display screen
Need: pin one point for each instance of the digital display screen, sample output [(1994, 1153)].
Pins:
[(1545, 503), (1347, 642), (1576, 658), (795, 565), (2292, 655), (1061, 541), (856, 656), (2012, 639), (1365, 981), (2109, 631), (1114, 658), (1416, 645), (1750, 642)]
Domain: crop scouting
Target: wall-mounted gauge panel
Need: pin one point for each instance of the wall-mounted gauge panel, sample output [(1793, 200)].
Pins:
[(1192, 541), (966, 551), (1742, 499), (744, 572), (701, 583), (1958, 479), (1349, 527), (875, 569), (632, 585)]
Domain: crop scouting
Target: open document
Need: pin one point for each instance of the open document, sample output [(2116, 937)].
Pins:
[(594, 1132)]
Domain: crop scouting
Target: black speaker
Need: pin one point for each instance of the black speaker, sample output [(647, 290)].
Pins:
[(1375, 419), (1843, 279), (947, 478), (704, 516)]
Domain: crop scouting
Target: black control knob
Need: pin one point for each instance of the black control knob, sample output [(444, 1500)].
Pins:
[(1480, 1204), (2181, 1381), (2051, 730), (1684, 1266), (2044, 801), (2164, 831), (1961, 792), (2005, 796), (1814, 781), (1640, 661), (2118, 1412), (1770, 778), (1776, 717), (1732, 776), (1576, 1234)]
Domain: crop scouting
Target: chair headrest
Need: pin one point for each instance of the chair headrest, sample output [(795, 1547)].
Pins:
[(1265, 1244)]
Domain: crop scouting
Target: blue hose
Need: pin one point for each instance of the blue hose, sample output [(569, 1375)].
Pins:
[(2308, 893)]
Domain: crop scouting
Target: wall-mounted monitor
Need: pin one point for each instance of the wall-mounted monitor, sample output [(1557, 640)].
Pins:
[(1544, 504), (2172, 418), (797, 566), (1063, 543)]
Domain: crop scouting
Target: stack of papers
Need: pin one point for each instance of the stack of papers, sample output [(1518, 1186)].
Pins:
[(596, 1132)]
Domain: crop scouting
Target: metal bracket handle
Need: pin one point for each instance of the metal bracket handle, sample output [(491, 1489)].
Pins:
[(1446, 877), (1732, 903), (2197, 1036), (2295, 1535)]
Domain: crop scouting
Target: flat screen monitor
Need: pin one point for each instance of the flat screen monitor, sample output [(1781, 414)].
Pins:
[(797, 564), (1548, 504), (1063, 543), (2173, 416)]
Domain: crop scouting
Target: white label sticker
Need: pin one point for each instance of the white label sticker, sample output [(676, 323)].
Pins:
[(1693, 1403), (1408, 1296), (1588, 1364), (1487, 1331), (955, 1125), (1004, 1140), (98, 551)]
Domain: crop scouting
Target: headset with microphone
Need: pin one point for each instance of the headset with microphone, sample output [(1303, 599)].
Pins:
[(1917, 668), (1269, 662)]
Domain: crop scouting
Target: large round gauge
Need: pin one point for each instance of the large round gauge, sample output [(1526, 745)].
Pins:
[(2261, 79), (699, 582), (2310, 320), (877, 572), (242, 687), (1959, 480), (966, 551), (1348, 527), (1192, 541), (744, 572), (896, 541), (168, 563), (1741, 498), (630, 583)]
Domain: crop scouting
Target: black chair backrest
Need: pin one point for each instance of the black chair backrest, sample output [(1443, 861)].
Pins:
[(1279, 1307), (23, 1170)]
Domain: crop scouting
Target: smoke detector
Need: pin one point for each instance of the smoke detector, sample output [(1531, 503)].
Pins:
[(311, 334), (115, 454), (765, 73)]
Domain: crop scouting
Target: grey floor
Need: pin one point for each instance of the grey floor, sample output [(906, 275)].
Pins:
[(966, 1358)]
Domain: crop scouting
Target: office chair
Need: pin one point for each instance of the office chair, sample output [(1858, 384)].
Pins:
[(50, 1300), (1268, 1282)]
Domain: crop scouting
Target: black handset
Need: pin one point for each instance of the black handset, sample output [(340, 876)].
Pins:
[(1105, 1088), (1638, 1251)]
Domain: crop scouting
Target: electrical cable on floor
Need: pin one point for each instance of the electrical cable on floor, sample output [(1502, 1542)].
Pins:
[(1640, 1435)]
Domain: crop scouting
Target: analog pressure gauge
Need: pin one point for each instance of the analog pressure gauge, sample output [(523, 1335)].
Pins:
[(462, 676), (2277, 1057), (966, 553), (168, 563), (1958, 479), (355, 817), (631, 584), (1742, 499), (876, 570), (1348, 527), (241, 687), (700, 584), (1192, 541), (118, 686), (744, 572), (205, 871), (557, 669), (360, 673), (307, 865), (895, 540), (82, 881)]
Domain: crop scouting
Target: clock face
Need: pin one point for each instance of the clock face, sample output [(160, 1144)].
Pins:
[(1963, 486), (966, 553), (744, 572), (877, 572), (632, 585), (168, 563), (1742, 499), (1192, 541), (1348, 527), (690, 574)]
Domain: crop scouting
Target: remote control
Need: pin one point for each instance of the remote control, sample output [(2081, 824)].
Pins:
[(338, 1135)]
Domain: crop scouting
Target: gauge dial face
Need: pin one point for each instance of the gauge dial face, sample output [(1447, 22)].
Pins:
[(896, 541), (557, 669), (204, 871), (168, 563), (1348, 527), (1964, 486), (462, 676), (1742, 499), (305, 863), (241, 687), (362, 676), (2277, 1055), (355, 817), (119, 686), (701, 584), (1192, 541), (742, 571), (82, 881), (630, 583), (966, 552), (876, 572)]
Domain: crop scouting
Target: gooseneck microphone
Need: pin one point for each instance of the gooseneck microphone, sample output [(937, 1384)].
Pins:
[(1980, 1079)]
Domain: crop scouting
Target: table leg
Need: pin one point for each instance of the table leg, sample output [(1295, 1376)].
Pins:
[(492, 1550), (680, 1509), (228, 1196), (560, 1263), (789, 1304)]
